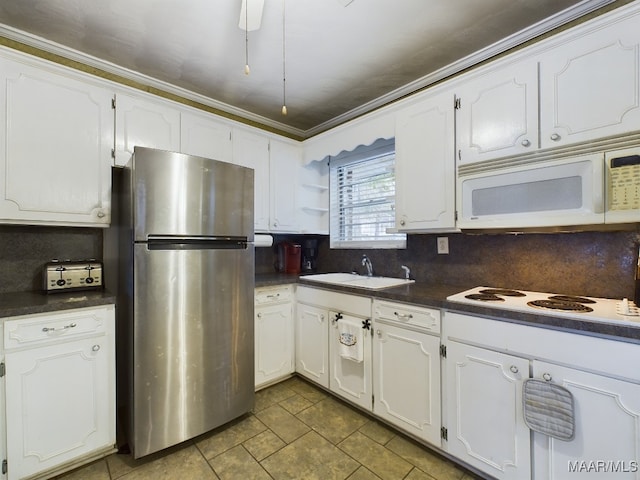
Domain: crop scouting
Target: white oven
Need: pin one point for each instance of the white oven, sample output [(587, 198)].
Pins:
[(589, 189)]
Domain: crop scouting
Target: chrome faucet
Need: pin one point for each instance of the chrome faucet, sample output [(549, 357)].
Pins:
[(367, 263)]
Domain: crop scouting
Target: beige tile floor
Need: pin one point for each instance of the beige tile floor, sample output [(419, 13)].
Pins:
[(296, 431)]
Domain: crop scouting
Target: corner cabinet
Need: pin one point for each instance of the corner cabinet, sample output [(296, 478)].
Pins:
[(425, 165), (56, 132), (60, 390)]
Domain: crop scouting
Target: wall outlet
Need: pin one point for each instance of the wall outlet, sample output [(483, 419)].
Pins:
[(443, 245)]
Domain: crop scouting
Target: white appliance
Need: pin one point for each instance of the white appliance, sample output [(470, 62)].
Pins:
[(534, 192), (555, 305)]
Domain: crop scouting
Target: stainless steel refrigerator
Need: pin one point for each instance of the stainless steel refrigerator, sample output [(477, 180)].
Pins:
[(185, 311)]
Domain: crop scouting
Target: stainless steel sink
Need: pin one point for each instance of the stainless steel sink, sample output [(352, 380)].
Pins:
[(355, 280)]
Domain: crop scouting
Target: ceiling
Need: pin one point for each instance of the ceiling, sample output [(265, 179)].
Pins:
[(341, 61)]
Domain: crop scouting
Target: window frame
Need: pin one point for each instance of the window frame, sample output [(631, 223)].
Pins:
[(382, 151)]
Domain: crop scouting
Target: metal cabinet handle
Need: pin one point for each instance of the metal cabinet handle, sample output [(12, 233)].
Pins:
[(95, 348), (259, 315), (379, 332), (546, 376), (526, 143), (53, 329), (338, 316), (403, 315), (322, 318), (101, 214), (273, 295), (513, 369), (402, 222), (555, 137)]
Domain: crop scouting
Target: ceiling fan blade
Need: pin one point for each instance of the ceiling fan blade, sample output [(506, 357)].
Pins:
[(251, 14)]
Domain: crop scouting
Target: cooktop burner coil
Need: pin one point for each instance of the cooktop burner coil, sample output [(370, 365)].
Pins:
[(485, 297), (507, 292), (560, 305), (571, 298)]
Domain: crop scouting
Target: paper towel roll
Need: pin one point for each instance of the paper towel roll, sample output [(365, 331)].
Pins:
[(263, 240)]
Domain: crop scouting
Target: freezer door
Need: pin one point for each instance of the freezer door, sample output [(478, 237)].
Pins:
[(193, 342), (176, 194)]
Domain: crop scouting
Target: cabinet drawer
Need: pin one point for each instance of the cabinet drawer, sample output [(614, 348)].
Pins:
[(45, 328), (408, 315), (266, 295)]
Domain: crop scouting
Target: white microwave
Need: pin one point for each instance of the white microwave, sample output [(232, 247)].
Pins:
[(589, 189)]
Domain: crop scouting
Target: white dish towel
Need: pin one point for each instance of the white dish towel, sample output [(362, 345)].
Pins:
[(351, 341)]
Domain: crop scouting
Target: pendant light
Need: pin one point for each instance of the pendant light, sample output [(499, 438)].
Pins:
[(250, 19), (284, 63)]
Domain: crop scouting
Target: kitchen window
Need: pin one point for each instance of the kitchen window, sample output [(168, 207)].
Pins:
[(362, 191)]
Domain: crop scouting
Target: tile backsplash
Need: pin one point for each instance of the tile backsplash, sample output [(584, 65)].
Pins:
[(25, 249), (600, 264)]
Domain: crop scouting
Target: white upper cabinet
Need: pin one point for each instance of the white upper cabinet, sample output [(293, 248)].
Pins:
[(204, 136), (252, 150), (145, 121), (285, 159), (425, 165), (590, 86), (497, 114), (56, 132)]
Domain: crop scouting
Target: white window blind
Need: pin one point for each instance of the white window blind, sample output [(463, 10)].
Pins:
[(363, 202)]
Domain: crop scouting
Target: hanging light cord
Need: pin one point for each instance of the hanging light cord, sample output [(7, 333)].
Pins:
[(284, 63), (247, 70)]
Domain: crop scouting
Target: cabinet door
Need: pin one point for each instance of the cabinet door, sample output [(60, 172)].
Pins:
[(284, 163), (425, 166), (203, 136), (498, 114), (252, 150), (485, 427), (590, 86), (350, 377), (59, 404), (144, 121), (274, 353), (406, 373), (607, 428), (56, 133), (312, 346)]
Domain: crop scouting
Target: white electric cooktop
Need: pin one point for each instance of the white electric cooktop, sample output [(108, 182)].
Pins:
[(555, 305)]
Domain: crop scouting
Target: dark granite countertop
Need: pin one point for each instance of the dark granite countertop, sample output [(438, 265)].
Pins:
[(27, 303), (435, 296)]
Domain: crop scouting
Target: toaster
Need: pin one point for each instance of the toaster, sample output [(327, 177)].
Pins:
[(64, 276)]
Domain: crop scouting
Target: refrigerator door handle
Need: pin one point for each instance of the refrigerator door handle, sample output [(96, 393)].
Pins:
[(164, 242)]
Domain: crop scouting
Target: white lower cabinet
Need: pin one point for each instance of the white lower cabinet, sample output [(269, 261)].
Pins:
[(487, 362), (312, 343), (329, 326), (607, 433), (406, 368), (60, 390), (274, 339), (349, 364), (485, 428)]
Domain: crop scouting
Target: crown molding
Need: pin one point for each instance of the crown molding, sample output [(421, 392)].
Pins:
[(583, 8)]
